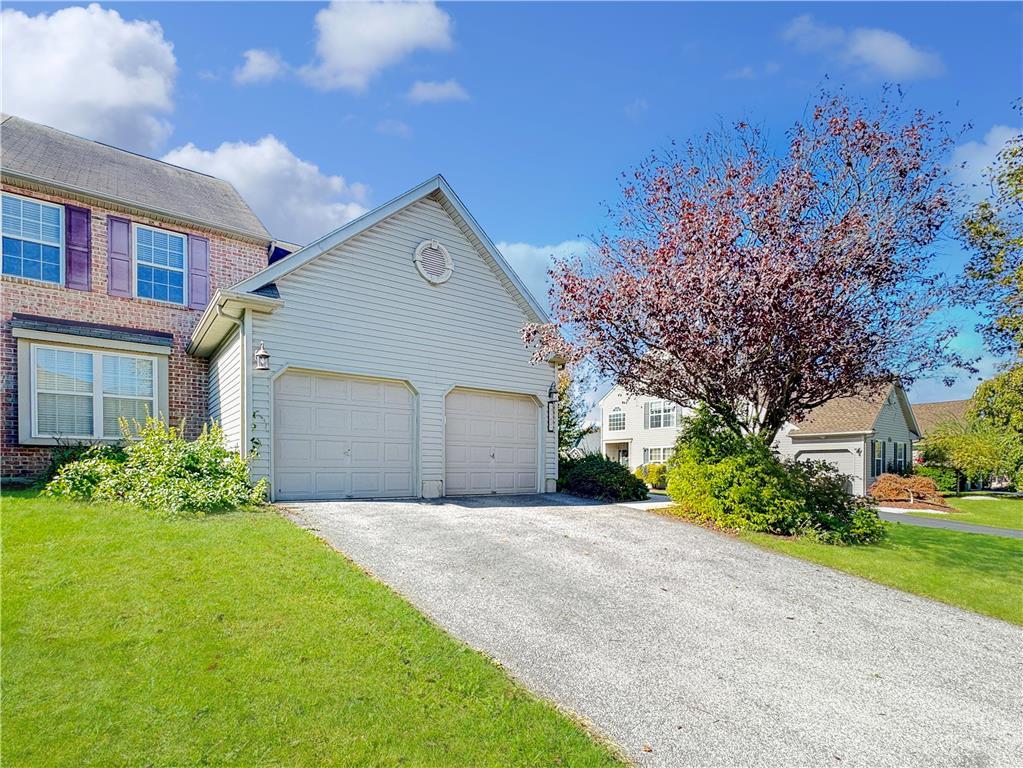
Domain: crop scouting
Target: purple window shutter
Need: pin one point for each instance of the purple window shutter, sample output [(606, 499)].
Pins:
[(198, 272), (118, 256), (77, 248)]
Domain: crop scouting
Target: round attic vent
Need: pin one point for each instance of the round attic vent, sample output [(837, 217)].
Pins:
[(433, 262)]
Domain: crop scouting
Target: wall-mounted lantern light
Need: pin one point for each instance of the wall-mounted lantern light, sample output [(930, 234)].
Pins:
[(262, 358), (552, 407)]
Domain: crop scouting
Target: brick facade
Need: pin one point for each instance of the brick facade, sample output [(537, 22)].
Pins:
[(231, 260)]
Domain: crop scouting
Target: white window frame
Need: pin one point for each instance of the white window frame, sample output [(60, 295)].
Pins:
[(135, 227), (664, 453), (616, 412), (63, 252), (97, 390), (665, 412), (877, 455)]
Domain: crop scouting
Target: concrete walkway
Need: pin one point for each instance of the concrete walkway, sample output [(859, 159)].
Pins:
[(950, 525), (691, 648)]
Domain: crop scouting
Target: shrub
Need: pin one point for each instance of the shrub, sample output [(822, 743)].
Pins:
[(159, 470), (598, 477), (65, 453), (737, 482), (913, 488), (654, 475), (945, 478)]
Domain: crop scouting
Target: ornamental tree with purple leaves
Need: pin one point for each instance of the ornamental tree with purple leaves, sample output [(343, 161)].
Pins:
[(765, 284)]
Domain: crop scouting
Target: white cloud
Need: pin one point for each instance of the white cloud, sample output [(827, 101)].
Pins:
[(259, 67), (89, 72), (423, 92), (293, 197), (636, 108), (871, 52), (356, 40), (531, 262), (972, 159), (391, 127), (751, 72)]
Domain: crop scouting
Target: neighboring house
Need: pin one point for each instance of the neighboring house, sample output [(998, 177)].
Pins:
[(591, 441), (109, 259), (637, 430), (396, 364), (930, 415), (861, 436)]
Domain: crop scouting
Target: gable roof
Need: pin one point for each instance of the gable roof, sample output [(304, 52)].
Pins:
[(437, 188), (43, 155), (930, 415), (855, 414)]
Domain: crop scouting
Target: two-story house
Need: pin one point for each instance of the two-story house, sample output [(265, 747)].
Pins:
[(861, 436), (109, 259), (384, 359)]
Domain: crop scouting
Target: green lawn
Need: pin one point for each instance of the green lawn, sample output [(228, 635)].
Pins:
[(1000, 511), (238, 640), (974, 571)]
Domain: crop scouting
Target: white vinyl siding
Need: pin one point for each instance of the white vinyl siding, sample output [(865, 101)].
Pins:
[(33, 239), (160, 264), (225, 390), (83, 395), (364, 309)]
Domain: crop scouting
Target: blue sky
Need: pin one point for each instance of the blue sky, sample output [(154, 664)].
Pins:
[(529, 109)]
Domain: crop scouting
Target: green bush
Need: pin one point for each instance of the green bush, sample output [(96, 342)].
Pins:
[(598, 477), (734, 482), (944, 477), (161, 471)]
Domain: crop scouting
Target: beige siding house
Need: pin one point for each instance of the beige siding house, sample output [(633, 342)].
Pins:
[(861, 436), (396, 364)]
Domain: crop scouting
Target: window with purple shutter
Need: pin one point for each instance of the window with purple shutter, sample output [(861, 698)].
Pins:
[(198, 272), (78, 248)]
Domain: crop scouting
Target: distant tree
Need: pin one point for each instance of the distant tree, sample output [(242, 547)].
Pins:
[(764, 285), (974, 448), (994, 230), (999, 401), (571, 413)]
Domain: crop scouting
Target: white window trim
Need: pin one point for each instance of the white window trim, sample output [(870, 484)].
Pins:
[(135, 227), (62, 246), (616, 411), (666, 409), (97, 390)]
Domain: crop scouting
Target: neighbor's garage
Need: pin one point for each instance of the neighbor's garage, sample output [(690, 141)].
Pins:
[(338, 437), (490, 443)]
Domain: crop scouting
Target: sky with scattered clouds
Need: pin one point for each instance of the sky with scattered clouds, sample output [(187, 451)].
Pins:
[(318, 112)]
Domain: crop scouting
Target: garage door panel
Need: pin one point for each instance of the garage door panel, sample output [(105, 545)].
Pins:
[(490, 443), (338, 437)]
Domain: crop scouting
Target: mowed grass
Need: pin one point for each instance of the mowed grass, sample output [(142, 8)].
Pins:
[(973, 571), (996, 511), (238, 640)]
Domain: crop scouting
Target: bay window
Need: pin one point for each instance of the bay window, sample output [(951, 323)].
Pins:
[(82, 394)]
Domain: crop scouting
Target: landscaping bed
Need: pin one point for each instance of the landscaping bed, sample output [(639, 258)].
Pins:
[(237, 639)]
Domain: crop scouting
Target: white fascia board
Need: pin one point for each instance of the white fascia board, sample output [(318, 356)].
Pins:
[(213, 327)]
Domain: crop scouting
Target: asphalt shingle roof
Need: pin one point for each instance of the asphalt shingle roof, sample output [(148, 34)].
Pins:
[(930, 415), (47, 155), (856, 413)]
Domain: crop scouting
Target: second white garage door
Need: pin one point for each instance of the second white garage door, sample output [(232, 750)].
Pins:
[(490, 443), (338, 437)]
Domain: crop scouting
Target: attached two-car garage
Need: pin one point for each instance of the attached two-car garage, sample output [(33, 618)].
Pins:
[(338, 437)]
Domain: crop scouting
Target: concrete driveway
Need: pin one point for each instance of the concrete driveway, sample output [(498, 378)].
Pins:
[(687, 647)]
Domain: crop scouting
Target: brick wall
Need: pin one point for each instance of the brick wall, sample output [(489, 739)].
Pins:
[(231, 260)]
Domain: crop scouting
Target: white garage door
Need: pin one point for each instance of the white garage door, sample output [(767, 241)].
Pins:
[(844, 461), (490, 444), (340, 438)]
